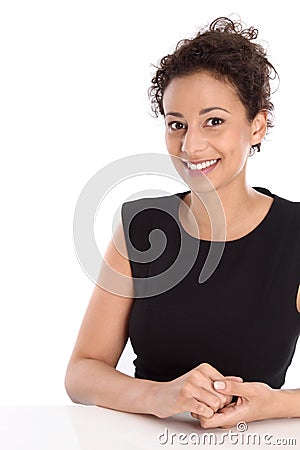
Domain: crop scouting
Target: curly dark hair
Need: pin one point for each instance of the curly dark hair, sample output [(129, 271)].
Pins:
[(227, 51)]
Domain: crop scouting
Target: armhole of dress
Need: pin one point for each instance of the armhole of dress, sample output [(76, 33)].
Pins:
[(298, 292), (125, 228)]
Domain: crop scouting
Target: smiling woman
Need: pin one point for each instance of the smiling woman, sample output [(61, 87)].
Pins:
[(220, 347), (199, 132)]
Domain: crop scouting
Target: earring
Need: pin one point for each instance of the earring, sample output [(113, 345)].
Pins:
[(255, 148), (252, 151)]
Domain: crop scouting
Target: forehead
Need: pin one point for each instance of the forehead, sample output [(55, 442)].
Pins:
[(199, 90)]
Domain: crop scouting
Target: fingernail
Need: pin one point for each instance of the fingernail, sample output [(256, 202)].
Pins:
[(219, 385)]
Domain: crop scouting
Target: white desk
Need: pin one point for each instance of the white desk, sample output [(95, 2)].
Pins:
[(93, 428)]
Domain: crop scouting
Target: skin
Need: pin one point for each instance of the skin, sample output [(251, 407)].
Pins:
[(91, 376), (205, 120), (215, 134)]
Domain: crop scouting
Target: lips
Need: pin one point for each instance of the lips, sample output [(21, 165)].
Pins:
[(201, 165), (204, 166), (199, 161)]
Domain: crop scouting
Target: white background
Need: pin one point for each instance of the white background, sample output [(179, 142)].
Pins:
[(74, 78)]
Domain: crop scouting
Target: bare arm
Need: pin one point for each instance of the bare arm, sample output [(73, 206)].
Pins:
[(288, 403), (91, 376)]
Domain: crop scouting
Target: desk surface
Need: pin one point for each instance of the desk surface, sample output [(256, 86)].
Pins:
[(89, 428)]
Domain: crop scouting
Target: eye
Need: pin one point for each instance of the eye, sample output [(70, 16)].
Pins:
[(175, 126), (214, 122)]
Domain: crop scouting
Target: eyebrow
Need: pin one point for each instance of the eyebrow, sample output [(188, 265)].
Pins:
[(201, 112), (212, 108)]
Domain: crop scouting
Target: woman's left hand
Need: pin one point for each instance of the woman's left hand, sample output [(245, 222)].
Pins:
[(256, 401)]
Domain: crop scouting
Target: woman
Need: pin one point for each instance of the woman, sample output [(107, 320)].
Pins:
[(219, 348)]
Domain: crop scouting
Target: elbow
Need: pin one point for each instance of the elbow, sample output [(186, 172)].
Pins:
[(70, 385)]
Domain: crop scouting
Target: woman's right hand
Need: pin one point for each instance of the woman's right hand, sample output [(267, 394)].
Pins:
[(192, 392)]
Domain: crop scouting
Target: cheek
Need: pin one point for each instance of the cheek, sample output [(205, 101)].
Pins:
[(173, 143), (244, 135), (238, 141)]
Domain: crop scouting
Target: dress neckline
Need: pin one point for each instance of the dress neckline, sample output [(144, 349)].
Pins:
[(251, 233)]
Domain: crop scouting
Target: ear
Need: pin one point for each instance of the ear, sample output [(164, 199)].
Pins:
[(259, 127)]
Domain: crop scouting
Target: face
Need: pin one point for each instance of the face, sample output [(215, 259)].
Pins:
[(208, 131)]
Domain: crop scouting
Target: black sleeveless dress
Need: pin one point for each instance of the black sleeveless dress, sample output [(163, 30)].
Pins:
[(242, 319)]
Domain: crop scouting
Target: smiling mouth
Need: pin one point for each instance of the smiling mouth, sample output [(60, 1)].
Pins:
[(203, 167)]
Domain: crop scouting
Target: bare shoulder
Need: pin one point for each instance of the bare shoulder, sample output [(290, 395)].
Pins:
[(104, 329)]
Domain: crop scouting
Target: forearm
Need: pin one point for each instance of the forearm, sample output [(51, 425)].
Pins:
[(93, 382), (286, 403)]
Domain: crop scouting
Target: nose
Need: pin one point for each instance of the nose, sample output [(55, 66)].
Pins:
[(194, 141)]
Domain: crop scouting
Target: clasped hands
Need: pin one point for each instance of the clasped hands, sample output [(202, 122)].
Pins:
[(208, 395)]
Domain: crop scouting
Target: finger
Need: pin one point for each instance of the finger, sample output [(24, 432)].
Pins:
[(228, 387), (210, 372), (239, 401), (232, 378), (230, 405), (198, 408), (225, 419), (227, 402), (210, 399), (201, 379), (214, 374), (230, 398)]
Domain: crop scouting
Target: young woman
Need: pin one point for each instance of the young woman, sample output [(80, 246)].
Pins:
[(220, 348)]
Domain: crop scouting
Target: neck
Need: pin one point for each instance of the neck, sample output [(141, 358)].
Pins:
[(216, 212)]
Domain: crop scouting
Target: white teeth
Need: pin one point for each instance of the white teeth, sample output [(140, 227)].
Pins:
[(201, 165)]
